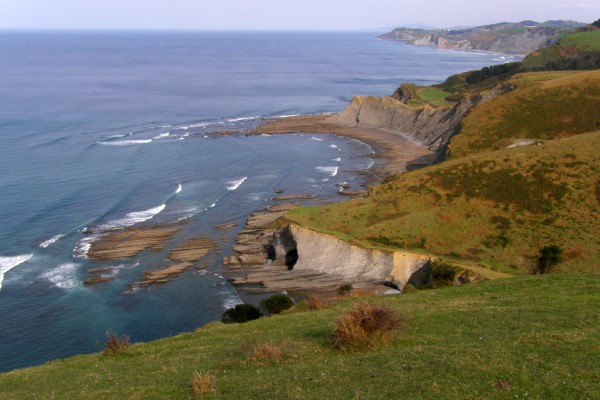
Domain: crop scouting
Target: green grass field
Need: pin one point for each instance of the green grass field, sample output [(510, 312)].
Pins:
[(528, 337), (586, 41)]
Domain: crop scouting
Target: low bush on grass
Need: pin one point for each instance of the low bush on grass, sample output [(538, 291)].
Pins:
[(240, 314), (269, 353), (277, 303), (345, 290), (365, 325), (115, 344), (203, 383)]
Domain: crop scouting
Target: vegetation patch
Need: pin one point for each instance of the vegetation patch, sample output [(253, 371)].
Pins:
[(203, 383), (277, 303), (365, 326)]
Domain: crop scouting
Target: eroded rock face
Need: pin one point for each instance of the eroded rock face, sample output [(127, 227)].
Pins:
[(327, 254), (433, 127)]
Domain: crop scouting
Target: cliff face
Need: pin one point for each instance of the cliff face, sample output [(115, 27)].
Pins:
[(322, 253), (512, 38), (433, 127)]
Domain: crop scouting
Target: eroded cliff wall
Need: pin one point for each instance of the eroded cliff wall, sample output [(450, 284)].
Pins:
[(433, 127), (328, 254)]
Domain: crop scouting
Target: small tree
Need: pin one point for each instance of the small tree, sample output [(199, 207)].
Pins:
[(240, 313), (596, 24), (550, 257), (345, 289)]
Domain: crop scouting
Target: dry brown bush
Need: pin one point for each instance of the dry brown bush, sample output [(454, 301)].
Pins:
[(265, 353), (203, 383), (316, 302), (115, 344), (365, 325)]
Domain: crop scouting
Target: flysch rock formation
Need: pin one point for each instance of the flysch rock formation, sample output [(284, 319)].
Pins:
[(433, 127), (298, 259)]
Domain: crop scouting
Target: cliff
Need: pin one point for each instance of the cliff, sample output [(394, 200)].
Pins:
[(327, 254), (431, 126), (511, 38)]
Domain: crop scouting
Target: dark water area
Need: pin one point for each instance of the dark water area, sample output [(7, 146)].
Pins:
[(112, 130)]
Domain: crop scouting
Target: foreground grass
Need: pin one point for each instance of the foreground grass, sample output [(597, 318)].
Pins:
[(533, 337)]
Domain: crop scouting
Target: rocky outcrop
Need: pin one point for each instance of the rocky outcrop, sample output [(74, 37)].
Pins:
[(433, 127), (298, 258)]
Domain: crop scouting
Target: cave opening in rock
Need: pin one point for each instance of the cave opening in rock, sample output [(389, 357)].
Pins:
[(291, 258), (271, 252)]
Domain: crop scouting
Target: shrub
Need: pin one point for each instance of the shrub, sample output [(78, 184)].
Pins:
[(365, 326), (203, 384), (277, 303), (115, 344), (240, 313), (345, 289), (550, 257)]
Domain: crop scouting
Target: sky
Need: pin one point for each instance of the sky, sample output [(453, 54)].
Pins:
[(282, 14)]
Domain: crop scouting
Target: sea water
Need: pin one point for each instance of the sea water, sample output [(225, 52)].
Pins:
[(107, 130)]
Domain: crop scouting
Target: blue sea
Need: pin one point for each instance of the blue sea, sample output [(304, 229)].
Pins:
[(106, 130)]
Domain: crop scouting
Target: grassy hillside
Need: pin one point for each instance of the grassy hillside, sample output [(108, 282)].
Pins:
[(496, 209), (572, 49), (528, 337), (543, 105)]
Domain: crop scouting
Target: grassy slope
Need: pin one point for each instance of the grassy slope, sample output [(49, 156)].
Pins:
[(531, 195), (543, 105), (572, 45), (539, 337)]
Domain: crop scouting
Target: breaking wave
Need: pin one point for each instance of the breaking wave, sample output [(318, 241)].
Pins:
[(125, 142), (132, 218), (332, 171), (50, 241), (8, 263), (233, 185)]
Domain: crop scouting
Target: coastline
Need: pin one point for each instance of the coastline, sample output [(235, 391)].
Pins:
[(259, 266), (397, 151)]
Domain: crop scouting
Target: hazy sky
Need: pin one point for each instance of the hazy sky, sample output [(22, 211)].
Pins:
[(281, 14)]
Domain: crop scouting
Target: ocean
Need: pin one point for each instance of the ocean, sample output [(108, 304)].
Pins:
[(109, 130)]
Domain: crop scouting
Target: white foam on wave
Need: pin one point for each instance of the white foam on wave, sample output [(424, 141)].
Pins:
[(243, 118), (8, 263), (121, 135), (50, 241), (179, 189), (231, 300), (316, 138), (163, 135), (333, 146), (83, 246), (233, 185), (63, 276), (132, 218), (287, 116), (339, 159), (332, 171), (125, 142)]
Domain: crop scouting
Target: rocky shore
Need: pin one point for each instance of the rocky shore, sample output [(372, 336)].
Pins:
[(270, 255)]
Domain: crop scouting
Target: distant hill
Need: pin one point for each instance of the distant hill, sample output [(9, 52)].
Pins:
[(506, 37)]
